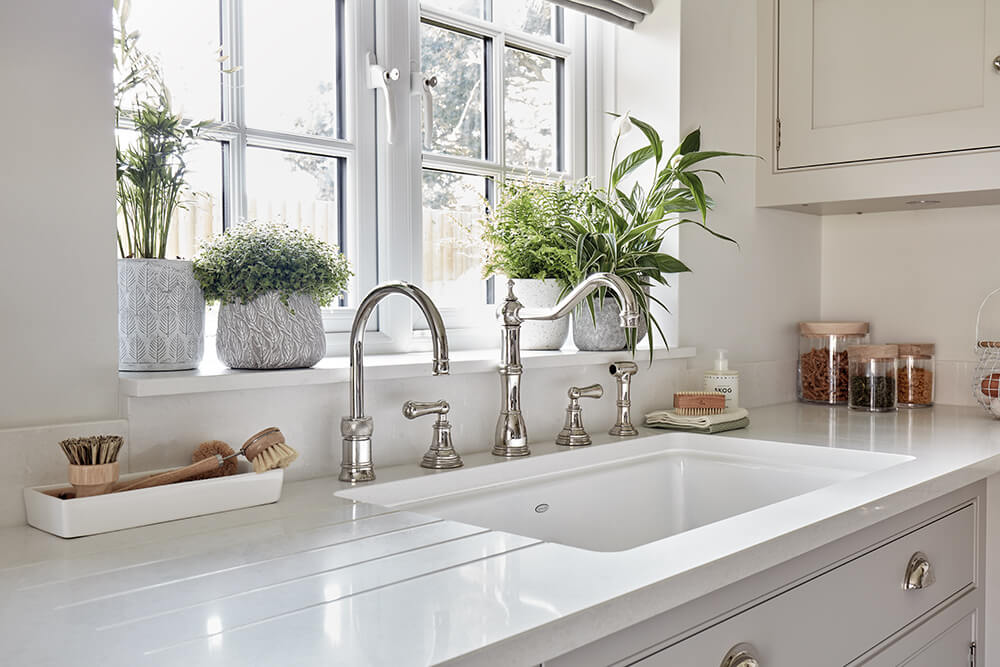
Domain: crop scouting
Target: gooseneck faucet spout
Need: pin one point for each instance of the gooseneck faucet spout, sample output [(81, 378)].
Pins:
[(511, 438), (356, 429)]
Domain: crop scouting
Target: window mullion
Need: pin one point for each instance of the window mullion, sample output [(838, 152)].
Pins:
[(234, 111)]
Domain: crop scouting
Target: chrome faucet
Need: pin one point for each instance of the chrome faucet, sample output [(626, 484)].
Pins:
[(511, 438), (356, 429)]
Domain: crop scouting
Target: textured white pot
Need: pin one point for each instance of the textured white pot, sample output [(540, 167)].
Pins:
[(161, 315), (265, 334), (541, 294)]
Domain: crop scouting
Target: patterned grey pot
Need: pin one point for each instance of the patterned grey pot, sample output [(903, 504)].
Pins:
[(608, 334), (161, 315), (541, 294), (265, 334)]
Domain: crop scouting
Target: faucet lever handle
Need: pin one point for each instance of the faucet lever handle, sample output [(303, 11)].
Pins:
[(441, 455), (414, 409), (590, 391)]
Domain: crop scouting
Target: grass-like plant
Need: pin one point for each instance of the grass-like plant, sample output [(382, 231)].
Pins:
[(622, 231), (151, 178), (521, 235), (253, 258)]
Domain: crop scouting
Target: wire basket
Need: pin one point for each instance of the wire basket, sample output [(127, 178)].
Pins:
[(986, 378)]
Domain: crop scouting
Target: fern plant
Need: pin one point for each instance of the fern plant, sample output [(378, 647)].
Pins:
[(522, 236), (622, 228)]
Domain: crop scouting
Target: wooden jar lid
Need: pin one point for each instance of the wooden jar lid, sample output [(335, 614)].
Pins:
[(833, 328), (869, 352), (920, 350)]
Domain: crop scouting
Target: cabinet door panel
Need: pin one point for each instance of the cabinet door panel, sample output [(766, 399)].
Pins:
[(943, 640), (869, 79)]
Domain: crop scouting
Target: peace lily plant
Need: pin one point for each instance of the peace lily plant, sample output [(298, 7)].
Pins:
[(624, 225)]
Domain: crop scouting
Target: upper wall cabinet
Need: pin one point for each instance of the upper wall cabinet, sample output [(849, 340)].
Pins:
[(869, 104)]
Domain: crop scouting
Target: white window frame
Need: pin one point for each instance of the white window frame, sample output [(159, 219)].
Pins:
[(401, 163), (357, 147)]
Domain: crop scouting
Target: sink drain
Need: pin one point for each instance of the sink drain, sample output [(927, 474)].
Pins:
[(544, 507)]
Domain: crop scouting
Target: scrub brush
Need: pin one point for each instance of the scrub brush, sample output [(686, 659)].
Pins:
[(266, 450), (698, 403), (93, 463)]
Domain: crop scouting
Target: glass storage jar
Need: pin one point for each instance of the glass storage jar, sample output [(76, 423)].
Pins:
[(915, 375), (872, 369), (822, 374)]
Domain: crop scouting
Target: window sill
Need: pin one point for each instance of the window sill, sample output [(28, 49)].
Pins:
[(213, 376)]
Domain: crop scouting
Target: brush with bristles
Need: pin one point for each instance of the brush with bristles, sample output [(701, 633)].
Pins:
[(93, 463), (266, 450), (699, 403)]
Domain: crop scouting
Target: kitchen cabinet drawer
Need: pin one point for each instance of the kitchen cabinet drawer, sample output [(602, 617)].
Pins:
[(836, 617)]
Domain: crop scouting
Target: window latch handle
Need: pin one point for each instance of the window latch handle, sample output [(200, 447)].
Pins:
[(421, 84), (378, 79)]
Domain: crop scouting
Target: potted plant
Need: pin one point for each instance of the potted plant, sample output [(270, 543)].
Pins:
[(623, 228), (522, 242), (271, 281), (161, 311)]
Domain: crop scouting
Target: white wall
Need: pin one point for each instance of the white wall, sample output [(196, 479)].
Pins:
[(746, 299), (57, 261), (917, 276)]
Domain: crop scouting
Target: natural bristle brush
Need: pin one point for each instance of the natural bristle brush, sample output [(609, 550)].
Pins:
[(698, 403), (93, 463), (266, 450)]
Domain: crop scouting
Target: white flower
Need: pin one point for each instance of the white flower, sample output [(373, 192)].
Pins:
[(623, 125)]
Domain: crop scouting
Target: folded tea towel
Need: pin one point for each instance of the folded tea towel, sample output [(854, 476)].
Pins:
[(702, 423), (714, 428)]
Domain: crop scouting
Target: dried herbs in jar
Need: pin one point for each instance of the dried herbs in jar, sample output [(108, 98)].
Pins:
[(872, 371)]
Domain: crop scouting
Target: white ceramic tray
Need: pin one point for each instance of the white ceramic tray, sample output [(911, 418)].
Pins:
[(76, 517)]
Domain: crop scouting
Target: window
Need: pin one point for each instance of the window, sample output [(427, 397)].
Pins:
[(297, 134), (508, 75)]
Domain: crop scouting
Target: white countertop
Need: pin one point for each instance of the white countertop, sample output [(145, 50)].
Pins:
[(315, 579)]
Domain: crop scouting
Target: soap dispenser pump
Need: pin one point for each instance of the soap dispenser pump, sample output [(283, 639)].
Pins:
[(724, 381)]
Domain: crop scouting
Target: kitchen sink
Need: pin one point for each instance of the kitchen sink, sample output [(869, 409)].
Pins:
[(621, 495)]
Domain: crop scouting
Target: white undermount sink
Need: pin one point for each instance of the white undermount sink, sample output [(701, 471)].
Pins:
[(621, 495)]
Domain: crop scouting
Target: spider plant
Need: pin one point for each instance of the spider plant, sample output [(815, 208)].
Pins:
[(624, 227)]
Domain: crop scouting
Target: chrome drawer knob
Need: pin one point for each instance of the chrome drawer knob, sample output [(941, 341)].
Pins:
[(918, 572), (741, 655)]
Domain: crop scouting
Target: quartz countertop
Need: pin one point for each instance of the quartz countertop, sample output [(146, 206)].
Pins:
[(315, 579)]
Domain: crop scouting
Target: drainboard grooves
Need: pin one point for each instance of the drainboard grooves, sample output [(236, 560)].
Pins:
[(47, 573), (205, 564), (203, 628), (398, 548)]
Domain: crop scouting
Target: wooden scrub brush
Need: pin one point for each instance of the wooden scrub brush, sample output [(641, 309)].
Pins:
[(266, 450), (698, 403), (93, 463)]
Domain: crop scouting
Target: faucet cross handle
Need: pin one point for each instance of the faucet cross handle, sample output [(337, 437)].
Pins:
[(573, 433), (441, 455)]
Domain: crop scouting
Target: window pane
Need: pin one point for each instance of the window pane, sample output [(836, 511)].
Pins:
[(184, 36), (470, 7), (291, 58), (530, 110), (199, 217), (295, 189), (452, 257), (457, 62), (536, 17)]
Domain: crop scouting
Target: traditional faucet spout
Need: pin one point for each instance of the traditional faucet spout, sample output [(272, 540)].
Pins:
[(356, 429), (511, 437)]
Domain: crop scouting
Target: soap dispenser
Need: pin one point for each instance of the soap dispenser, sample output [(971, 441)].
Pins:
[(724, 381)]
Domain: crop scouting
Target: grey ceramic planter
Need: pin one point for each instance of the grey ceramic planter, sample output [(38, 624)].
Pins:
[(608, 333), (265, 334), (161, 315)]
